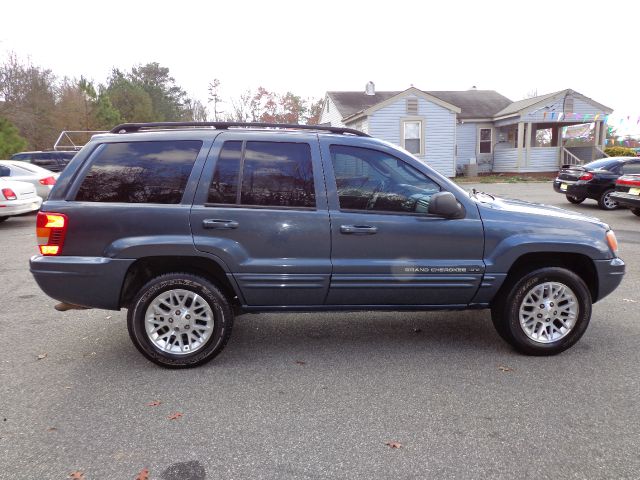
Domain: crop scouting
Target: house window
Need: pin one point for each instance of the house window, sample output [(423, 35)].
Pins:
[(412, 136), (485, 140)]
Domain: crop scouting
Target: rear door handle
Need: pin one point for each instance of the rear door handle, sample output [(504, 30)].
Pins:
[(220, 224), (358, 229)]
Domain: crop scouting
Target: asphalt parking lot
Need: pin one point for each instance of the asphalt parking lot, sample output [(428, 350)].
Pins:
[(318, 396)]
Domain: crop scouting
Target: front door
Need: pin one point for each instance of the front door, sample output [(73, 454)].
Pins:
[(261, 208), (386, 248)]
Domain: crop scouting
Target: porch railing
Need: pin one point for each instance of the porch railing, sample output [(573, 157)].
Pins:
[(568, 158), (602, 152)]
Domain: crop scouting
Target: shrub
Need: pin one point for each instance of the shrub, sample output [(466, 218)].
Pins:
[(620, 152)]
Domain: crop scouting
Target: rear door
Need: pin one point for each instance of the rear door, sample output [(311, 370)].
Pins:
[(386, 248), (261, 208)]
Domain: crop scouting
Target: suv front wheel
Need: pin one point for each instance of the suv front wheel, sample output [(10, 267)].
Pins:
[(180, 320), (543, 312)]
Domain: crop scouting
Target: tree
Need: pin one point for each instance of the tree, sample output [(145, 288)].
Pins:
[(29, 94), (10, 139), (169, 101), (215, 98), (314, 111), (131, 100)]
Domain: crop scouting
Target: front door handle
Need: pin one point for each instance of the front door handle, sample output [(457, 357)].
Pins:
[(358, 229), (220, 224)]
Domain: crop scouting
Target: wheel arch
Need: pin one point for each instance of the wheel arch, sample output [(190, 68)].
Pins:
[(146, 268), (577, 263)]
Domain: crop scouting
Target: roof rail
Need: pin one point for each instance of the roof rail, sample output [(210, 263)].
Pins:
[(136, 127)]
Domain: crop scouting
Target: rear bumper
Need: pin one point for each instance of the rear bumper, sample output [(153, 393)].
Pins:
[(94, 282), (626, 199), (18, 207), (610, 273), (576, 189)]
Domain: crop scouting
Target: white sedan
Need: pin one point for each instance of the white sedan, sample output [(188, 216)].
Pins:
[(42, 179), (17, 198)]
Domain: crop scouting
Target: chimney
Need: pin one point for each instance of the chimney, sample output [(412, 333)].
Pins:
[(370, 89)]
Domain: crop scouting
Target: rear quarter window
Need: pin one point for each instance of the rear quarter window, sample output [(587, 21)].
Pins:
[(139, 172)]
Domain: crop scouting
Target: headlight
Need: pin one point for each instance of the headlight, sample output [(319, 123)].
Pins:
[(612, 241)]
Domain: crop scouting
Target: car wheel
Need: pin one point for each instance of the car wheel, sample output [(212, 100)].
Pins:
[(543, 312), (3, 219), (180, 320), (636, 211), (605, 202), (575, 200)]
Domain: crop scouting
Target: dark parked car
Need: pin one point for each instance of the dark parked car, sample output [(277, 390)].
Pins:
[(627, 192), (595, 180), (186, 227), (54, 161)]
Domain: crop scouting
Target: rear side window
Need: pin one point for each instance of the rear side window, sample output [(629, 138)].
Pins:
[(139, 172), (278, 174), (631, 168)]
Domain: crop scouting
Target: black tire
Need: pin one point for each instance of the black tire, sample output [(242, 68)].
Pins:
[(636, 211), (3, 219), (216, 300), (575, 200), (505, 311), (604, 202)]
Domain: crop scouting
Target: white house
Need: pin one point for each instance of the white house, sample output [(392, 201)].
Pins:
[(448, 129)]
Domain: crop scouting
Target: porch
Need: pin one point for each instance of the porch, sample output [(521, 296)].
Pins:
[(542, 147)]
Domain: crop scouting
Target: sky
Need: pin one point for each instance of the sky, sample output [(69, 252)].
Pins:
[(310, 47)]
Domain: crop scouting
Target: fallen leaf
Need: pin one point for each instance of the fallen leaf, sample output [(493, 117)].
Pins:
[(629, 300), (417, 330), (393, 444), (68, 387), (143, 475), (51, 429), (174, 416), (502, 368), (155, 403), (300, 362), (108, 317), (42, 356), (77, 475)]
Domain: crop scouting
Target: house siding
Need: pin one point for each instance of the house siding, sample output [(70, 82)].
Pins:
[(438, 128), (580, 107), (333, 116), (362, 125), (467, 137)]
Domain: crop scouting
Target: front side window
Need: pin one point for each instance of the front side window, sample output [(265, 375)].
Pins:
[(485, 140), (4, 171), (412, 140), (371, 180), (276, 174), (140, 172)]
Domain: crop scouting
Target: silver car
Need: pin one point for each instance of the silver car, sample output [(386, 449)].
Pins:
[(42, 179)]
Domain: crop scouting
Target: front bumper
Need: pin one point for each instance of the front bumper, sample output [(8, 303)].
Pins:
[(610, 273), (626, 199), (94, 282), (11, 208)]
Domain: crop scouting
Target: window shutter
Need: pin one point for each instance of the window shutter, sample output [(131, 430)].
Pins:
[(412, 106)]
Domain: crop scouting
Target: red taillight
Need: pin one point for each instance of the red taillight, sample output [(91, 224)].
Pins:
[(9, 194), (626, 181), (51, 228), (586, 176), (47, 181)]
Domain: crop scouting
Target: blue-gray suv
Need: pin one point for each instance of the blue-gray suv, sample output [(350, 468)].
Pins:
[(189, 224)]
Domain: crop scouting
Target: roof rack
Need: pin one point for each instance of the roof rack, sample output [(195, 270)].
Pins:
[(136, 127), (74, 140)]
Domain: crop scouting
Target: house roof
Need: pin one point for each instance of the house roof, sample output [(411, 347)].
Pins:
[(515, 107), (473, 103)]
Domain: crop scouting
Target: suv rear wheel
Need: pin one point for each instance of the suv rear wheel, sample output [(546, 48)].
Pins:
[(635, 211), (543, 312), (180, 320)]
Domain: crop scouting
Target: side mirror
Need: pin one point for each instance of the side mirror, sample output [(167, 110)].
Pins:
[(444, 204)]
